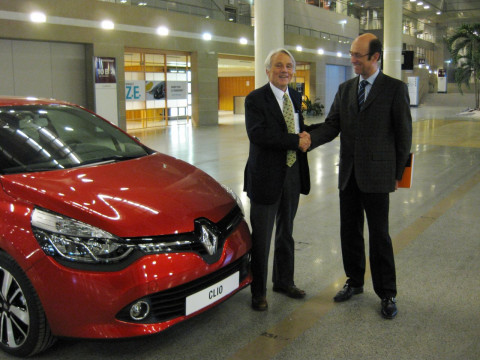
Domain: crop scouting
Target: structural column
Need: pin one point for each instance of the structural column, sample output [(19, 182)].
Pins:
[(392, 38), (269, 30), (204, 88)]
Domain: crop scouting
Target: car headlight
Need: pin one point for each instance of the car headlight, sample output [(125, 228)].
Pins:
[(235, 196), (61, 236)]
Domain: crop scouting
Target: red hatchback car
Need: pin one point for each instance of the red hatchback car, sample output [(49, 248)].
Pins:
[(102, 237)]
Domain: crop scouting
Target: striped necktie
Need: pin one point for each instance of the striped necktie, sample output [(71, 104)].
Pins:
[(288, 116), (361, 93)]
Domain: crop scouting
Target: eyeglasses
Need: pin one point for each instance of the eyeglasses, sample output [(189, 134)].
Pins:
[(357, 55)]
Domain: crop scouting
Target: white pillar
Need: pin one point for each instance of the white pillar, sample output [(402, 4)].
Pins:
[(341, 8), (392, 38), (269, 20)]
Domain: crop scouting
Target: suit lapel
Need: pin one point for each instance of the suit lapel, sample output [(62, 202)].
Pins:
[(354, 96), (272, 103), (377, 88)]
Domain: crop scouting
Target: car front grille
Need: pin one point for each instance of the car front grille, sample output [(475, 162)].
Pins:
[(170, 304), (192, 241)]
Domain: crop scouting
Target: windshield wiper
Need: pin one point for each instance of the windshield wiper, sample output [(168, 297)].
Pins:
[(108, 159)]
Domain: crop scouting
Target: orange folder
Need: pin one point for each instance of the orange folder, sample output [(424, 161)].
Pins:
[(407, 177)]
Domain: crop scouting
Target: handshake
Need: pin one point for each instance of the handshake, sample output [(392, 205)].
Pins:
[(304, 141)]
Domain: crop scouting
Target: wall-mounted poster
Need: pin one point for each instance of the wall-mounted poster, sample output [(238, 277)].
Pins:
[(155, 90), (139, 90), (135, 90), (105, 70), (177, 90), (106, 88)]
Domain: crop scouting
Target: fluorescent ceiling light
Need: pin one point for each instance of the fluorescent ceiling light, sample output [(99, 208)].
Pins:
[(321, 51), (207, 36), (299, 48), (243, 41)]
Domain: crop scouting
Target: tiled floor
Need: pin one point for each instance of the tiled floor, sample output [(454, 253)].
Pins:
[(435, 228)]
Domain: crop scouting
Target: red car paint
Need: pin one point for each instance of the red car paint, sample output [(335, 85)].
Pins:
[(152, 195)]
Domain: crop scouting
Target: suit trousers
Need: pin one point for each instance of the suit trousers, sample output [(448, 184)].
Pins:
[(262, 218), (353, 205)]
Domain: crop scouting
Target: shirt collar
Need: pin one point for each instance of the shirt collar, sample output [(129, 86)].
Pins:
[(278, 92), (372, 78)]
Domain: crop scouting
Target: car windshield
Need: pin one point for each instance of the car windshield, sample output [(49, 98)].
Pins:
[(51, 137)]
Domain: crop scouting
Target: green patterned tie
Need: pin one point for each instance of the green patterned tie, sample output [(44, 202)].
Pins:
[(288, 115)]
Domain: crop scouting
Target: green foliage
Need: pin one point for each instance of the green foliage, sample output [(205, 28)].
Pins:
[(314, 108), (464, 46)]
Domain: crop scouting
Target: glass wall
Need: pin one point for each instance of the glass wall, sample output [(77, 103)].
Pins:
[(157, 88)]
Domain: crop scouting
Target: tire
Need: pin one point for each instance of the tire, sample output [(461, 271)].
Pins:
[(24, 329)]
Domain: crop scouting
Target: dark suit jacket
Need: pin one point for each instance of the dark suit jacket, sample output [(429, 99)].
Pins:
[(269, 142), (376, 139)]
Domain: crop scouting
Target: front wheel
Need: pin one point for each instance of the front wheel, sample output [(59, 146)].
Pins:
[(24, 330)]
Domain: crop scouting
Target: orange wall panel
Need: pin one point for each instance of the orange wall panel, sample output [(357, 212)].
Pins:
[(229, 87)]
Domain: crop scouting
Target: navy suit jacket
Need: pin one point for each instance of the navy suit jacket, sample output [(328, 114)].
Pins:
[(269, 141), (375, 140)]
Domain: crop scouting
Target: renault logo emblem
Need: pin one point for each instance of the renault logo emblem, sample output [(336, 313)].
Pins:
[(207, 235), (209, 240)]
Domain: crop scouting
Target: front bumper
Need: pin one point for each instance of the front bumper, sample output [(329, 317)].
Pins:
[(92, 304)]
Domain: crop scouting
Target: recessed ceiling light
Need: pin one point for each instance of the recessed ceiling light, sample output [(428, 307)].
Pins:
[(207, 36), (162, 30), (420, 3), (299, 48), (108, 25), (339, 54), (38, 17), (243, 41), (426, 6), (439, 12), (321, 51)]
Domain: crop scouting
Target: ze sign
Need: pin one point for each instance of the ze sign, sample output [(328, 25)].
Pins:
[(135, 90)]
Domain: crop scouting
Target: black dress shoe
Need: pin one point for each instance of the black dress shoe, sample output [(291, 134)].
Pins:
[(259, 303), (347, 292), (389, 308), (290, 291)]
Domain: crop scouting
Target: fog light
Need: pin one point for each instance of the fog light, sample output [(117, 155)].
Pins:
[(140, 310)]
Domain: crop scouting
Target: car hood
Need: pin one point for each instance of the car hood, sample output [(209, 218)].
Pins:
[(148, 196)]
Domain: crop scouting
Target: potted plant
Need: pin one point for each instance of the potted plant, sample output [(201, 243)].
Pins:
[(464, 46), (312, 108)]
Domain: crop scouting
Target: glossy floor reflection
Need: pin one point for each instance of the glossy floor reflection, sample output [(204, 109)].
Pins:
[(434, 227)]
